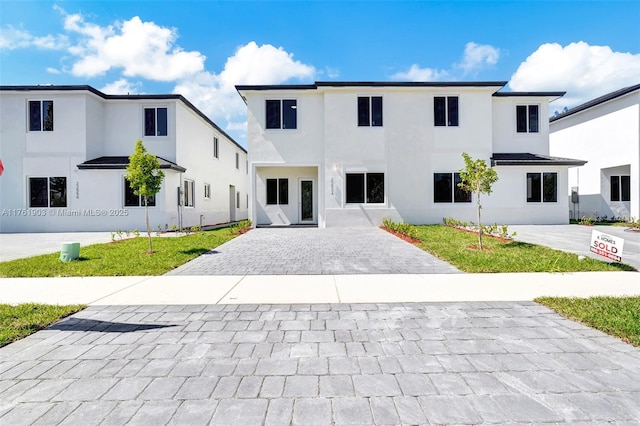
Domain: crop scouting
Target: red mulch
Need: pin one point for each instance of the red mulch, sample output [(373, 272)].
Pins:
[(401, 236)]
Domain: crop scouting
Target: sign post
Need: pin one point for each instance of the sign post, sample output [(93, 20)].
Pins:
[(606, 245)]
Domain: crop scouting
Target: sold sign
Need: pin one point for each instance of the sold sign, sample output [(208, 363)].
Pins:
[(606, 245)]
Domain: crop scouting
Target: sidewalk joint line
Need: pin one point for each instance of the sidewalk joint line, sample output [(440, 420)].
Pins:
[(146, 278), (231, 289)]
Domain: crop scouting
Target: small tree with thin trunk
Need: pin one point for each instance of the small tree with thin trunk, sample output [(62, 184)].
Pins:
[(145, 178), (477, 178)]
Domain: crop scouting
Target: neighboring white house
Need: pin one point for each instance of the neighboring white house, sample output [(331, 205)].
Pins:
[(353, 153), (65, 149), (606, 132)]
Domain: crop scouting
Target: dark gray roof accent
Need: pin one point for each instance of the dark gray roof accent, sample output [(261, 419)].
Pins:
[(372, 84), (596, 101), (79, 88), (527, 159), (121, 162), (533, 94)]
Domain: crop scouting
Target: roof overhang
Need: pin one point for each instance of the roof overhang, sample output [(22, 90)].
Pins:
[(527, 159), (121, 163)]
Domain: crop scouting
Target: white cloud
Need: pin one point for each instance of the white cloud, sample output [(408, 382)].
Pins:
[(14, 38), (51, 70), (478, 56), (120, 87), (583, 71), (415, 73)]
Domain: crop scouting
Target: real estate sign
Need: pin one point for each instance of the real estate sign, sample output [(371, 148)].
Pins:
[(606, 245)]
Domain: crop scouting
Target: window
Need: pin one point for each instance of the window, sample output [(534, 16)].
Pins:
[(133, 200), (446, 190), (620, 188), (48, 192), (40, 116), (542, 187), (237, 161), (527, 118), (238, 199), (282, 114), (365, 187), (370, 111), (155, 122), (278, 191), (189, 193), (445, 111), (215, 148), (207, 191), (246, 165)]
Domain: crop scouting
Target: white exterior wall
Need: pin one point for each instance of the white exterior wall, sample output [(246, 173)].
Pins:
[(505, 135), (608, 137)]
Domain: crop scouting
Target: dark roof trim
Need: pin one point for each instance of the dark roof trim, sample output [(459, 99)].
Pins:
[(121, 162), (597, 101), (78, 88), (318, 84), (538, 94), (527, 159)]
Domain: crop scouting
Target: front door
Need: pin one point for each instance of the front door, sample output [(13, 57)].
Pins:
[(306, 201)]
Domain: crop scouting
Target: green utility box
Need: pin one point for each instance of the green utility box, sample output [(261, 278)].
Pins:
[(69, 252)]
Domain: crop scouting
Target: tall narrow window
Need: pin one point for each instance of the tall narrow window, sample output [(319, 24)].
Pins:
[(542, 187), (281, 114), (215, 148), (615, 188), (207, 191), (445, 111), (237, 161), (278, 191), (238, 199), (527, 118), (40, 116), (370, 111), (48, 192), (155, 121), (189, 189), (365, 188)]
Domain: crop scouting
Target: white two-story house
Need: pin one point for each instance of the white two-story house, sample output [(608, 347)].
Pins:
[(606, 132), (65, 150), (353, 153)]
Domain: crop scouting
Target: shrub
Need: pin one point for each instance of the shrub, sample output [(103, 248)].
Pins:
[(401, 228), (495, 230)]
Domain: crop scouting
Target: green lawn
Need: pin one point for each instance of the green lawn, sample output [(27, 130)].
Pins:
[(453, 246), (616, 316), (126, 257), (17, 322)]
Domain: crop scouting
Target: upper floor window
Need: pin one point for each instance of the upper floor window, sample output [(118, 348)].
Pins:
[(48, 192), (370, 111), (542, 187), (365, 187), (446, 190), (40, 116), (282, 114), (527, 118), (445, 111), (215, 148), (278, 191), (620, 188), (133, 200), (155, 122), (237, 161)]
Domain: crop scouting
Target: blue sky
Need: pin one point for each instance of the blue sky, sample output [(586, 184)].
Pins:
[(202, 49)]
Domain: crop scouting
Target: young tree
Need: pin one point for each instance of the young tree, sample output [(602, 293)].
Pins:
[(145, 178), (477, 178)]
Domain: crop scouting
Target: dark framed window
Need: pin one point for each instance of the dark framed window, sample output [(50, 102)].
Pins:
[(155, 121), (281, 114), (189, 193), (370, 111), (207, 191), (527, 120), (48, 192), (278, 191), (445, 111), (40, 116), (542, 187), (365, 188), (620, 188), (237, 161), (446, 190), (216, 148), (133, 200)]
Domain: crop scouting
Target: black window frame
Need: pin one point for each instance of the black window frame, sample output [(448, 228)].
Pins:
[(528, 118), (152, 122), (129, 196), (281, 114), (277, 191), (52, 195), (449, 192), (446, 111), (189, 186), (216, 148), (237, 161), (370, 111), (620, 188), (543, 187), (370, 188), (207, 191), (40, 115)]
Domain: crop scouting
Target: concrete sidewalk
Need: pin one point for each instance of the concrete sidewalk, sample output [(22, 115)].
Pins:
[(286, 289)]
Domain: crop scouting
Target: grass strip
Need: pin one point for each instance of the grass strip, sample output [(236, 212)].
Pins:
[(454, 246), (120, 258), (17, 322), (616, 316)]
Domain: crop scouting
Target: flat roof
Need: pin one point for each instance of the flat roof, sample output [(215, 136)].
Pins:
[(318, 84), (528, 159)]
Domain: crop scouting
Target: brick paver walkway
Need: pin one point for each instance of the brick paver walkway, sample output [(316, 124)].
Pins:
[(462, 363), (302, 251)]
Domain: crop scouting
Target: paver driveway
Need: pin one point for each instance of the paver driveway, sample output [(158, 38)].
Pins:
[(301, 251), (451, 363)]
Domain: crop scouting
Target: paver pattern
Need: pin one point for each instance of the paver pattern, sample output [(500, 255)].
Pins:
[(302, 251), (419, 363)]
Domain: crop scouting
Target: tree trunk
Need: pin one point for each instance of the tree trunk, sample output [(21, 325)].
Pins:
[(479, 223), (146, 214)]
